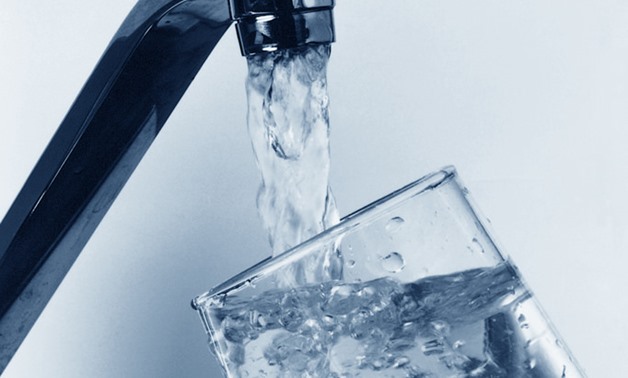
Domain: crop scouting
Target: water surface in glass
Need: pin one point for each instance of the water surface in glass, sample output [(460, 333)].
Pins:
[(425, 292)]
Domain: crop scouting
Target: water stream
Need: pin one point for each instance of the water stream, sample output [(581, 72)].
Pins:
[(288, 120), (479, 322)]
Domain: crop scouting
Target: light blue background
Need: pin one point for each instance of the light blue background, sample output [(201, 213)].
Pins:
[(529, 99)]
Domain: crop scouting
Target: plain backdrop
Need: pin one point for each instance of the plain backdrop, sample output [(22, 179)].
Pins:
[(528, 99)]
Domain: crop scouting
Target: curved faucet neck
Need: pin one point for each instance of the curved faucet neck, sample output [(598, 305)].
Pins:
[(134, 88)]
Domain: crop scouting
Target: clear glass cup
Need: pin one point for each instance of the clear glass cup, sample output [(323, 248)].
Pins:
[(420, 289)]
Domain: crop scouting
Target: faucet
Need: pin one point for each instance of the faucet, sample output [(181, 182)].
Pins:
[(137, 83)]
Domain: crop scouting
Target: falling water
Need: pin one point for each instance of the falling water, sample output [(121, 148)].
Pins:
[(479, 322), (288, 122)]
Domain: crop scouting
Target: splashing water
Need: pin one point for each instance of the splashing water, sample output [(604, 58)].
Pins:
[(476, 323), (289, 128)]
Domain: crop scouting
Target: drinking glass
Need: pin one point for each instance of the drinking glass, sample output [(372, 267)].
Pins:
[(417, 288)]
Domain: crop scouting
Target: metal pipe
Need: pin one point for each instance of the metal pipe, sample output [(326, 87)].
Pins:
[(134, 88)]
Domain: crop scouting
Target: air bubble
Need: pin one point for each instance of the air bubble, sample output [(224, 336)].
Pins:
[(351, 263), (440, 326), (394, 224), (328, 319), (401, 361), (431, 347), (393, 262)]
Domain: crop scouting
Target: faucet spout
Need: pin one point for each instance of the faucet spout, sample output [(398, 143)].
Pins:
[(138, 81), (134, 88), (270, 25)]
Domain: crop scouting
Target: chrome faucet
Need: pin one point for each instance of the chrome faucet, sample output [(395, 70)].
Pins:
[(134, 88)]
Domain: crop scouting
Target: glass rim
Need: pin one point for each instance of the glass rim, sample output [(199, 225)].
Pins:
[(363, 215)]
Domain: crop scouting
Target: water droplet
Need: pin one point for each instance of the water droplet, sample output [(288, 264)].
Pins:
[(393, 262), (476, 246), (394, 224), (351, 263), (523, 324), (248, 283)]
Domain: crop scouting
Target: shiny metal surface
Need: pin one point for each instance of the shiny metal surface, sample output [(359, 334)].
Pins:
[(139, 80), (270, 25)]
